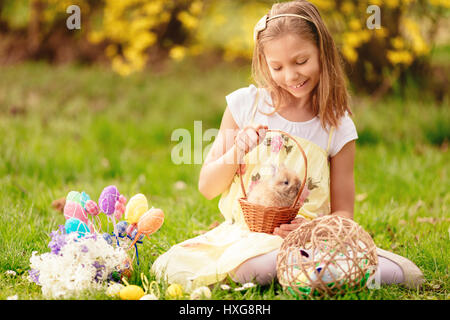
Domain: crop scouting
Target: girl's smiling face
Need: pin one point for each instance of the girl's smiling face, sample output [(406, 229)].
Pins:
[(294, 64)]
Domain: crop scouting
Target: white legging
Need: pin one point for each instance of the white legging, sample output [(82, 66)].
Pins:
[(262, 269)]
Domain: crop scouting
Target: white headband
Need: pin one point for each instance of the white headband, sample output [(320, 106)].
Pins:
[(262, 23)]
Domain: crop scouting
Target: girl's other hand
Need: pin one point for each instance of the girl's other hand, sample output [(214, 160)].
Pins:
[(284, 229), (248, 138)]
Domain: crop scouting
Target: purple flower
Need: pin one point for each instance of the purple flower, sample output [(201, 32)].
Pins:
[(34, 275), (84, 248), (100, 268), (91, 236), (58, 240)]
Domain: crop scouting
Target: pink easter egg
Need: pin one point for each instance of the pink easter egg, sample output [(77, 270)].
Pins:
[(118, 215), (108, 198), (119, 210), (73, 209), (119, 207), (92, 208), (122, 200)]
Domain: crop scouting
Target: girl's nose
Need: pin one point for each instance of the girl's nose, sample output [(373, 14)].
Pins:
[(291, 75)]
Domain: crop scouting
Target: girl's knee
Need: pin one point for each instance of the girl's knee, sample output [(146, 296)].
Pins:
[(261, 269)]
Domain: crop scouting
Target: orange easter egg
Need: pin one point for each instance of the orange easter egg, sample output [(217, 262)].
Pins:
[(151, 221)]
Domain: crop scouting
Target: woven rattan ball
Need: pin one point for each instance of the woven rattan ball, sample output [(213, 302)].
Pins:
[(326, 256)]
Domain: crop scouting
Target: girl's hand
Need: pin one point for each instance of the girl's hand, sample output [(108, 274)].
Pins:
[(284, 229), (248, 138)]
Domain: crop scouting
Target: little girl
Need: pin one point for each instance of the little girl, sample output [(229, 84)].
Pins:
[(300, 90)]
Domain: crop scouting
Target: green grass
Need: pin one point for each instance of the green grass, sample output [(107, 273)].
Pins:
[(76, 128)]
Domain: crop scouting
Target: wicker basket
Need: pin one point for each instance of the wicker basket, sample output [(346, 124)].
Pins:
[(266, 219), (326, 256)]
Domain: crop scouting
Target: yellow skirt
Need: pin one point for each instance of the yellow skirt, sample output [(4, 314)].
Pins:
[(208, 258)]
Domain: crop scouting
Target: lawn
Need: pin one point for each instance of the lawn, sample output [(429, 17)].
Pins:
[(72, 127)]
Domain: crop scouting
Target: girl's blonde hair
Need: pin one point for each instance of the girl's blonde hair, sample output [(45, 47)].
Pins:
[(330, 96)]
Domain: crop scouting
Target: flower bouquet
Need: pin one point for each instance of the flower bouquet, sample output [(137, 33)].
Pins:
[(82, 256)]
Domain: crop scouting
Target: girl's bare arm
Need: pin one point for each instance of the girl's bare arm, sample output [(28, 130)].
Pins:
[(221, 162), (342, 182), (225, 155)]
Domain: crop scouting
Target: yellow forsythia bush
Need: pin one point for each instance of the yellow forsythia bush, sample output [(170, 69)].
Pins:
[(403, 37), (131, 27), (131, 31)]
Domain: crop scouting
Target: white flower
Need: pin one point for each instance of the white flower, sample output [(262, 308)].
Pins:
[(180, 185), (245, 286), (200, 292), (10, 273), (114, 289), (225, 287), (81, 264), (14, 297)]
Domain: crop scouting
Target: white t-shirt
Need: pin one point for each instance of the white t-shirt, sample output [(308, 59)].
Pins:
[(240, 103)]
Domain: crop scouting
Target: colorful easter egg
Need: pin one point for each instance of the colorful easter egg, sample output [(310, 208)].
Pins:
[(148, 223), (107, 238), (76, 225), (73, 209), (122, 200), (119, 210), (135, 208), (134, 233), (92, 208), (151, 221), (118, 215), (84, 197), (175, 291), (122, 227), (120, 207), (74, 196), (131, 292), (108, 198)]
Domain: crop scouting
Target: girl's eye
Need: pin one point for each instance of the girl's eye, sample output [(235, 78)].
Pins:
[(286, 182), (298, 63)]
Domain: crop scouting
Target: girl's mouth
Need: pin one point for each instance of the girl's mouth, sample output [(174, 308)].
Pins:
[(300, 85)]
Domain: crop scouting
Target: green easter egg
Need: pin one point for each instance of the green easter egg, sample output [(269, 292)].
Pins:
[(74, 196)]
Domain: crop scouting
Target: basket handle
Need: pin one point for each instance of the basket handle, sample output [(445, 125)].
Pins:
[(306, 168)]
